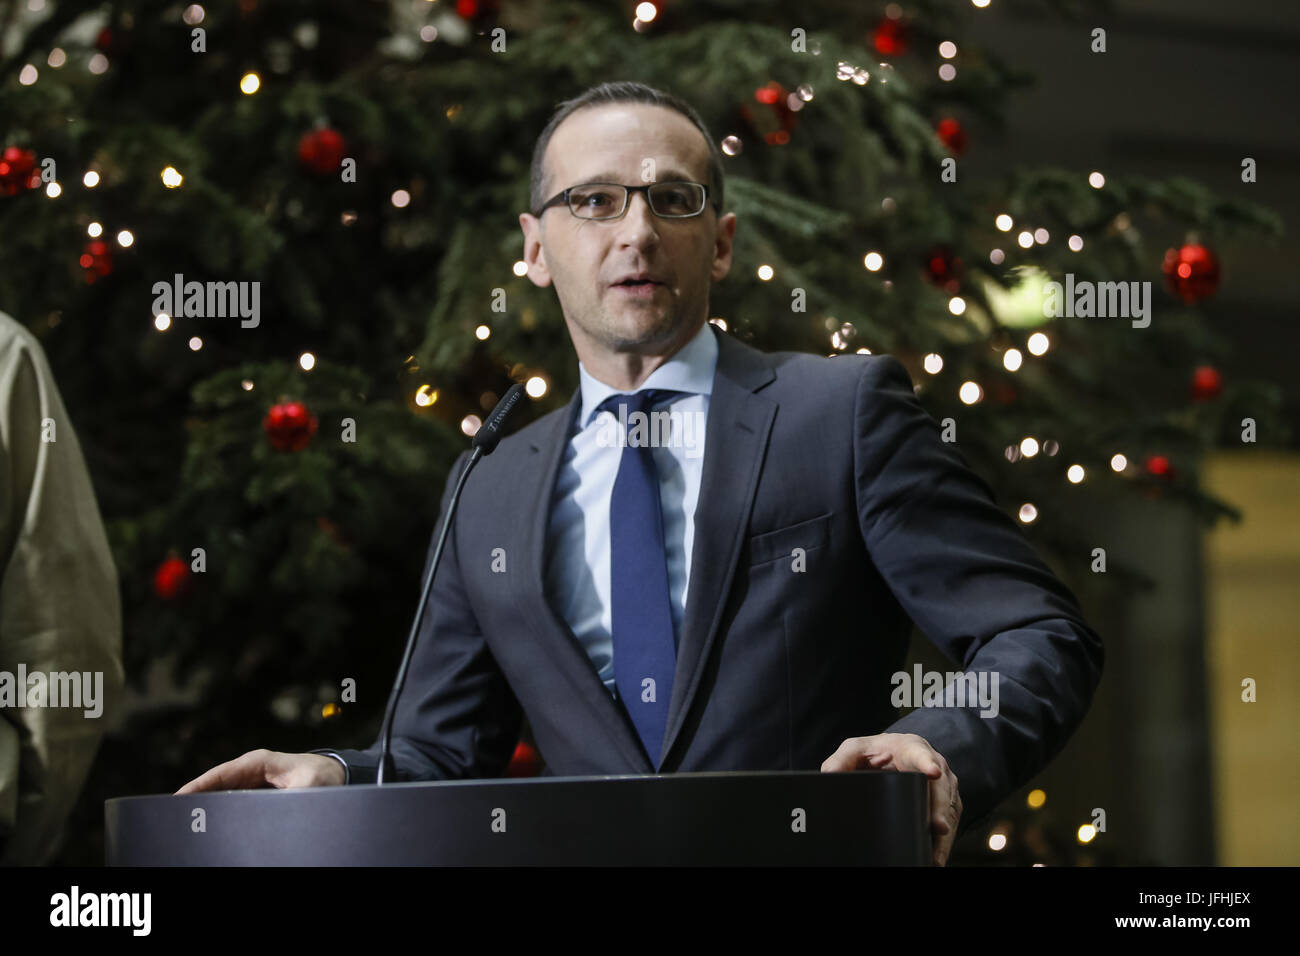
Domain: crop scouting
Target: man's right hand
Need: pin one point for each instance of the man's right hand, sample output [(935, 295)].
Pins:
[(267, 768)]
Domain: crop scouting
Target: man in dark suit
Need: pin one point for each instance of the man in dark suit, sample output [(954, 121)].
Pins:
[(732, 592)]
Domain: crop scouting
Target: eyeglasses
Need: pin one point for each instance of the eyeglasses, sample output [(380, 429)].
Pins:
[(609, 200)]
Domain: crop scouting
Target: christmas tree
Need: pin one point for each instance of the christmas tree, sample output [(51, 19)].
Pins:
[(354, 171)]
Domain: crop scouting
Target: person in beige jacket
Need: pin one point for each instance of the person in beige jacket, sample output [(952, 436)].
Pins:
[(60, 613)]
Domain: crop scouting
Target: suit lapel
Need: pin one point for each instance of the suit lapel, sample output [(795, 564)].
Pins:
[(736, 434), (537, 485)]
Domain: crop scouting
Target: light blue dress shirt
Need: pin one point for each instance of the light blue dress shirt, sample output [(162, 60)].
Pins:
[(578, 548)]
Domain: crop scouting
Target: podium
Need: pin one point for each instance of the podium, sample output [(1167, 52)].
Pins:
[(803, 818)]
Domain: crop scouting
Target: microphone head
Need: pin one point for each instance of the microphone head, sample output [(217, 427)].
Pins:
[(489, 432)]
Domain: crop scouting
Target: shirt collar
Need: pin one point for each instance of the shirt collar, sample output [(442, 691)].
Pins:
[(689, 369)]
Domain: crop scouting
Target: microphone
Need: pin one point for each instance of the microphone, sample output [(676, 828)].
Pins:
[(484, 443)]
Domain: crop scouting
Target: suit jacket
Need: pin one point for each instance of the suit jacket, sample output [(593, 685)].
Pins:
[(776, 665)]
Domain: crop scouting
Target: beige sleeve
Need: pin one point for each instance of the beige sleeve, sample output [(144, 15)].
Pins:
[(60, 611)]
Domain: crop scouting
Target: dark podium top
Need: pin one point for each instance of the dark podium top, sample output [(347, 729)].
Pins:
[(799, 818)]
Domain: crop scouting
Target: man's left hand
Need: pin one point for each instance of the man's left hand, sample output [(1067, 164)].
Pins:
[(908, 752)]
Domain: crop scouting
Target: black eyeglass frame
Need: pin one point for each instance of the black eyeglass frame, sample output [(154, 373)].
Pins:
[(562, 198)]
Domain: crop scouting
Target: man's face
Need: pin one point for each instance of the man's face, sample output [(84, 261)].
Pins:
[(631, 144)]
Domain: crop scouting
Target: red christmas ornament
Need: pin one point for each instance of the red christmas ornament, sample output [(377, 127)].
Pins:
[(18, 171), (951, 135), (774, 124), (97, 259), (478, 12), (525, 762), (1207, 383), (1191, 272), (172, 579), (321, 151), (104, 41), (289, 426), (891, 37), (1158, 466), (943, 267)]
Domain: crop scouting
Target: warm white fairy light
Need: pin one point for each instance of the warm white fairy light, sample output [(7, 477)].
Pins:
[(956, 305), (1118, 463), (1004, 222), (196, 343), (1074, 474), (94, 230), (401, 198), (1075, 243), (933, 363), (482, 332), (970, 393), (162, 321), (1025, 239), (1087, 833), (470, 424), (536, 386), (57, 58), (27, 75), (428, 33), (1012, 359), (1029, 446), (646, 12), (947, 49), (193, 14), (766, 272), (997, 841), (53, 190), (1037, 343), (91, 179), (425, 395), (947, 72), (97, 64), (996, 257), (520, 268), (981, 4), (1041, 235), (171, 178), (250, 83), (1028, 513), (125, 239), (1096, 180), (873, 261), (307, 361), (246, 384)]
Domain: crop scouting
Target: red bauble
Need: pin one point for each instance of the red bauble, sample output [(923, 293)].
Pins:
[(525, 762), (18, 171), (171, 579), (943, 267), (891, 37), (1191, 272), (321, 151), (97, 259), (478, 12), (774, 124), (1158, 466), (289, 426), (1207, 383), (951, 135)]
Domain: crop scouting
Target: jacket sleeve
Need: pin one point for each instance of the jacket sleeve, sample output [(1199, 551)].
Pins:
[(59, 605), (969, 579), (457, 717)]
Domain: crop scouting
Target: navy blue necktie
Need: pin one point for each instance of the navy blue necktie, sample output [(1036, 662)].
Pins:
[(645, 654)]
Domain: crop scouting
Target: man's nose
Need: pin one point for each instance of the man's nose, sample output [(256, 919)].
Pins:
[(639, 218)]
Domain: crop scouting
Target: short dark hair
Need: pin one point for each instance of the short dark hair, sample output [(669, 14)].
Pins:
[(622, 92)]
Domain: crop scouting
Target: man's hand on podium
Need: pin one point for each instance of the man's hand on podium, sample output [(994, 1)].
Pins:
[(908, 752), (267, 768)]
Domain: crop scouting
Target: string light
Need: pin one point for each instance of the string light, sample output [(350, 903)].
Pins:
[(27, 75), (54, 190), (125, 239), (162, 321), (307, 361), (1004, 222), (1074, 474), (425, 395), (171, 178), (1087, 833), (482, 332), (520, 268), (94, 230), (873, 261), (1028, 513), (536, 386), (196, 343), (1118, 463), (401, 198), (970, 393), (933, 363), (1037, 343), (1036, 799), (249, 84), (1011, 359), (91, 179), (470, 424), (997, 841), (1096, 180)]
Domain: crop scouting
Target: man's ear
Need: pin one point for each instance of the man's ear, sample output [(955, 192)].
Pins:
[(722, 247), (534, 257)]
